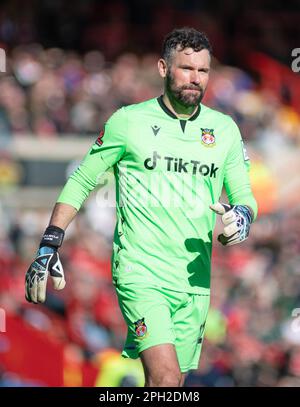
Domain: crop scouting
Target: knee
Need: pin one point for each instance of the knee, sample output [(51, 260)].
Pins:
[(168, 379)]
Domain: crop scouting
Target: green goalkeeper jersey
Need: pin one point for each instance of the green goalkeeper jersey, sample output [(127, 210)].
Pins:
[(167, 171)]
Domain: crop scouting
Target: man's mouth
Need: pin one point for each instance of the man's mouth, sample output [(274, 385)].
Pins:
[(193, 90)]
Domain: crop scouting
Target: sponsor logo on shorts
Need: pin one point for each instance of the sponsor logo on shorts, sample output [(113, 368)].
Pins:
[(140, 328)]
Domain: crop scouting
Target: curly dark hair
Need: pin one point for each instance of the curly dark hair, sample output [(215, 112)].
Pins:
[(185, 37)]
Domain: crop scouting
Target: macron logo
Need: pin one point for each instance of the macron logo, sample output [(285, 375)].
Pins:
[(155, 129)]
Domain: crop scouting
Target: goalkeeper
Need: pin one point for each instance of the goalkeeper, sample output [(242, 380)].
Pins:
[(171, 157)]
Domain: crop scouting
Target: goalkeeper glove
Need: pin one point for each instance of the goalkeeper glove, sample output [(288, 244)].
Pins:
[(46, 262), (237, 220)]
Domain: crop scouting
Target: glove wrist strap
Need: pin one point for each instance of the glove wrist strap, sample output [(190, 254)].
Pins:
[(246, 211), (53, 236)]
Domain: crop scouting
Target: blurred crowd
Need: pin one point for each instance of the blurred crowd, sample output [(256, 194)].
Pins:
[(52, 92), (253, 330), (49, 91), (234, 27)]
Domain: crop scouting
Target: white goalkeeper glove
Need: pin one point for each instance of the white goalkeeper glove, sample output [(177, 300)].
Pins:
[(237, 220), (46, 263)]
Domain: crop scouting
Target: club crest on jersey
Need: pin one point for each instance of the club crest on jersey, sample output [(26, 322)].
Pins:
[(99, 140), (208, 138), (140, 328)]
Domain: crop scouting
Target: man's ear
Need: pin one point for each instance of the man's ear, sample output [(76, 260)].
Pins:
[(162, 67)]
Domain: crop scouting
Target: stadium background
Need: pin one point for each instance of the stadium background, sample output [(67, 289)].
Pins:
[(69, 65)]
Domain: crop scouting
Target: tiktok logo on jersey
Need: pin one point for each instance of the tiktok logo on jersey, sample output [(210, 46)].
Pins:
[(147, 163), (174, 164)]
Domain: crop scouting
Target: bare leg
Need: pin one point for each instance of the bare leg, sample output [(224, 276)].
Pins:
[(161, 366), (183, 376)]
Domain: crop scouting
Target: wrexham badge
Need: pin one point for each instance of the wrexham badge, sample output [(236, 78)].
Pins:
[(208, 138), (140, 328)]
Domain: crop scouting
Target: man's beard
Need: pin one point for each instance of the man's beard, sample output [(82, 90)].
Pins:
[(187, 99)]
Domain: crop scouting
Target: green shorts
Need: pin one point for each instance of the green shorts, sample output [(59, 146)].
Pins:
[(156, 315)]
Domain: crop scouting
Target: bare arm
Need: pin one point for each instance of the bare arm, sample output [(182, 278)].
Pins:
[(62, 215)]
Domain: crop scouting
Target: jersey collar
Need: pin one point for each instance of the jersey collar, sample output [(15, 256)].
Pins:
[(171, 114)]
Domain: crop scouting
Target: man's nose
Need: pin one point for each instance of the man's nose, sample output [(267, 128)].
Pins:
[(195, 78)]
